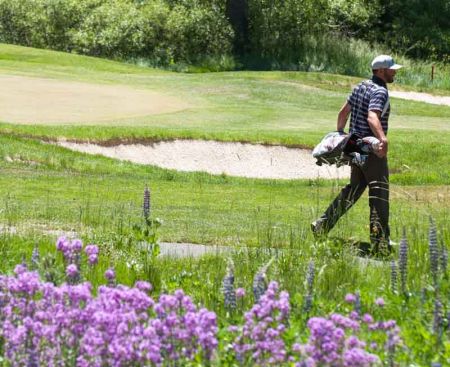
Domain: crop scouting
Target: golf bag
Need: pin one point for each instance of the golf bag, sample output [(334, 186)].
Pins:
[(340, 148)]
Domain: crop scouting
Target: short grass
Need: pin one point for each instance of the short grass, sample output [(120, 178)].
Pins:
[(42, 183)]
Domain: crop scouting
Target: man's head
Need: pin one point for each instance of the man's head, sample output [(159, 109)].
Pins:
[(385, 68)]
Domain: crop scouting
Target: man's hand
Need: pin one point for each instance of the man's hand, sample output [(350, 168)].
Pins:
[(382, 151), (375, 125)]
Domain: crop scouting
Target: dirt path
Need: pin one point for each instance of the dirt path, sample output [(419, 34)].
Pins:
[(421, 97), (234, 159), (38, 100)]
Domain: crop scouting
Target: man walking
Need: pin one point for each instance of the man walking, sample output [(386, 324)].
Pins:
[(369, 107)]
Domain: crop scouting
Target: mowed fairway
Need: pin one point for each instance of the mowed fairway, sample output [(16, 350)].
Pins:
[(45, 186)]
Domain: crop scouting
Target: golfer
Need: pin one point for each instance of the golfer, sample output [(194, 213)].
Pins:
[(369, 107)]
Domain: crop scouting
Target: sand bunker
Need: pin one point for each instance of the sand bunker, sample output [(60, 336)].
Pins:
[(38, 100), (234, 159)]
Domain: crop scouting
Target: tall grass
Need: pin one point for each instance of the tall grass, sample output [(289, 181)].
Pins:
[(350, 56)]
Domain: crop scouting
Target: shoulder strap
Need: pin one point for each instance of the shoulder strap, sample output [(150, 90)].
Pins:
[(386, 106)]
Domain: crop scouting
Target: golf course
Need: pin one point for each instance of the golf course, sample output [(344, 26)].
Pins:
[(79, 139)]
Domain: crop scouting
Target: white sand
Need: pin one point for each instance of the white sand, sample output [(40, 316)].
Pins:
[(234, 159)]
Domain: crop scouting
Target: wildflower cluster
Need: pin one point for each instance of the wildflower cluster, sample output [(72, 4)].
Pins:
[(260, 339), (335, 340), (46, 324), (42, 323)]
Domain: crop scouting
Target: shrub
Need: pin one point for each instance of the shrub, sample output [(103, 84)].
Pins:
[(114, 29), (195, 33)]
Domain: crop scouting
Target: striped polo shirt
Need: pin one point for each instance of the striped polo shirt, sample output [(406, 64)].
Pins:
[(369, 95)]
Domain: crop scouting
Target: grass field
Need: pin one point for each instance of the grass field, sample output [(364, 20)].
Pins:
[(44, 187)]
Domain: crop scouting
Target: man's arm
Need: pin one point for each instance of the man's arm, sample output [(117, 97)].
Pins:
[(343, 116), (375, 125)]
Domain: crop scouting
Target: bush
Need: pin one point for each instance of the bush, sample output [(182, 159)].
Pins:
[(43, 23), (195, 33), (16, 23), (114, 29)]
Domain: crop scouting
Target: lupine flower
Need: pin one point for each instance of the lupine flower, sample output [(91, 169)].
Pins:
[(437, 316), (146, 205), (228, 287), (260, 281), (309, 286), (35, 257), (391, 344), (444, 257), (434, 252), (403, 262), (393, 276), (357, 304), (310, 277)]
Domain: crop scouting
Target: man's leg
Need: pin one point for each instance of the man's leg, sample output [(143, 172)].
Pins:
[(343, 202), (377, 175)]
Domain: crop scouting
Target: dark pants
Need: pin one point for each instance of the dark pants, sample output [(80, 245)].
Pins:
[(374, 174)]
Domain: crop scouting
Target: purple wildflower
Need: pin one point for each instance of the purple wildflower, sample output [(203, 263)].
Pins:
[(228, 287), (393, 276), (35, 257), (110, 275), (146, 205), (350, 298), (310, 275), (444, 257), (380, 302), (261, 337), (260, 281), (434, 252), (240, 292), (71, 271), (91, 249), (403, 262), (143, 286)]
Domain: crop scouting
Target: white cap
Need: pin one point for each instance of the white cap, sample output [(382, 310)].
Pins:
[(384, 62)]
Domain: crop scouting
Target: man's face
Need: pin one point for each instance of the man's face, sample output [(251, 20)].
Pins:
[(387, 75)]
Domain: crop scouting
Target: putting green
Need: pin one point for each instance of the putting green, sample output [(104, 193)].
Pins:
[(29, 100)]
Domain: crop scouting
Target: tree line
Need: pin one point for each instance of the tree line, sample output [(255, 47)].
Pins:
[(284, 34)]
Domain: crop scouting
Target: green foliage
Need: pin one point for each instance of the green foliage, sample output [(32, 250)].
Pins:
[(277, 29), (156, 30), (420, 29), (262, 34), (195, 32), (113, 29), (353, 17)]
